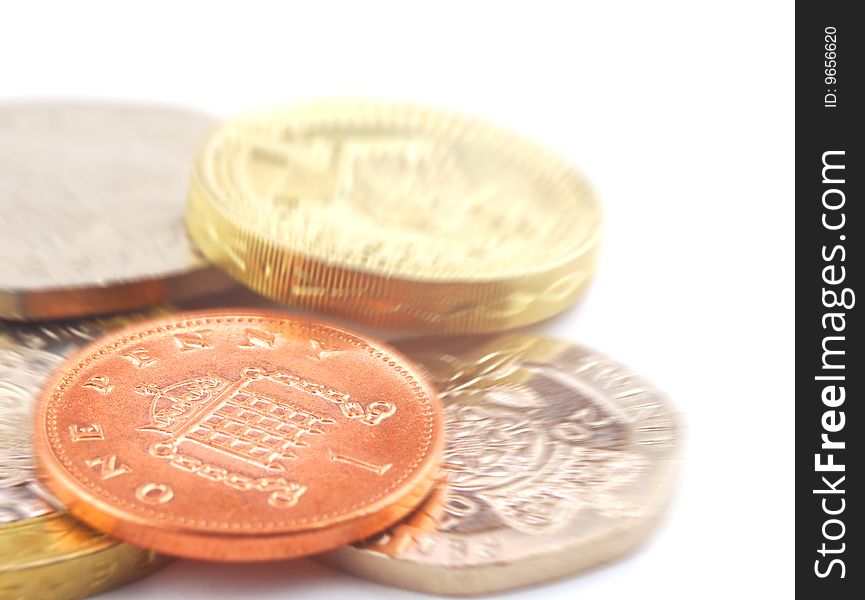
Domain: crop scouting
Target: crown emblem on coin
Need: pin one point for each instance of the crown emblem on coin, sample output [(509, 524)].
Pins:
[(530, 456), (245, 435)]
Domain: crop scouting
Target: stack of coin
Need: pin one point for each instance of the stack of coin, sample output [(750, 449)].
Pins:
[(44, 552), (94, 198), (460, 465), (239, 436), (557, 459)]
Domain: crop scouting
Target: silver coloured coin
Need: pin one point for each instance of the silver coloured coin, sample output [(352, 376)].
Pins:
[(92, 201), (29, 353), (557, 459)]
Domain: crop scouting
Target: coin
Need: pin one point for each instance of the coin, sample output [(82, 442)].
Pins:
[(44, 553), (232, 436), (393, 215), (92, 200), (558, 459)]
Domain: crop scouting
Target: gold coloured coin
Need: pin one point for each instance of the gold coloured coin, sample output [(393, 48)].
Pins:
[(394, 215), (557, 459), (45, 553)]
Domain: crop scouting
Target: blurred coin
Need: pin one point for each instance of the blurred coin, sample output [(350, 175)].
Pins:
[(44, 553), (235, 436), (92, 198), (557, 459), (394, 215)]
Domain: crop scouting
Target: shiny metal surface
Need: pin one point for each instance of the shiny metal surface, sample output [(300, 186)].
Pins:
[(235, 435), (92, 199), (394, 215), (557, 459), (44, 553)]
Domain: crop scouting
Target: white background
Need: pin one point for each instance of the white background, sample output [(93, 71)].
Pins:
[(682, 115)]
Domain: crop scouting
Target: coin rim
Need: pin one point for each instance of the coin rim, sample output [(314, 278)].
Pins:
[(114, 520), (543, 565), (116, 293), (435, 120), (447, 303)]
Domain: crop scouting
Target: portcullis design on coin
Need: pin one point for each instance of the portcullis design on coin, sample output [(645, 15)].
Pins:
[(557, 459), (238, 436)]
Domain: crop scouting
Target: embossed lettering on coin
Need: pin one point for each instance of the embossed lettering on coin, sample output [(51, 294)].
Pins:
[(71, 559), (300, 436)]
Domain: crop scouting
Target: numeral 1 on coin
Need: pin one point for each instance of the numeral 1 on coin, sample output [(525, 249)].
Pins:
[(361, 464)]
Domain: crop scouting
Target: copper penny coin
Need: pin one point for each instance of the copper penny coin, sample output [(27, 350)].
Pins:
[(231, 436)]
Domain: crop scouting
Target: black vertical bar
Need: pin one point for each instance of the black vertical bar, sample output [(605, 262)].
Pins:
[(830, 437)]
